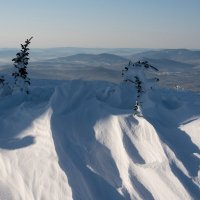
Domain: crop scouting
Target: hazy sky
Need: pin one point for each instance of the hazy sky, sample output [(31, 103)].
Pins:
[(101, 23)]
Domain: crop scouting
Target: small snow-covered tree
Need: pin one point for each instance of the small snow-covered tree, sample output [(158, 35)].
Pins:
[(5, 88), (21, 79), (2, 81), (135, 73)]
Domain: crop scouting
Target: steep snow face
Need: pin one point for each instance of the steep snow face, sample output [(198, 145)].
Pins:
[(192, 128), (28, 160), (81, 141), (140, 159)]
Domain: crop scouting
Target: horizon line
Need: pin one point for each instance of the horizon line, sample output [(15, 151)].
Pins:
[(79, 47)]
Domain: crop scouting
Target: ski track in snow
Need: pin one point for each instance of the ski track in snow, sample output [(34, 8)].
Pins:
[(80, 141)]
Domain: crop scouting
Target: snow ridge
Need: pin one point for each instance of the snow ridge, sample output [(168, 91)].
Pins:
[(79, 140)]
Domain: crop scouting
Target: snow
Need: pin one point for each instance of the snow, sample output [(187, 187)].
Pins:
[(29, 163), (192, 128), (80, 140)]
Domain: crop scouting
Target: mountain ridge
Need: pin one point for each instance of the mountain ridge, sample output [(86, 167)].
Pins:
[(81, 139)]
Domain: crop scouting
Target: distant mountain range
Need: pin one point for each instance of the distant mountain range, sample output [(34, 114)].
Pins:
[(180, 55), (6, 54), (103, 59), (176, 66)]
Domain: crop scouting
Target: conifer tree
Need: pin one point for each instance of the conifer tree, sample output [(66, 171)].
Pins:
[(135, 73), (21, 79), (5, 88), (2, 81)]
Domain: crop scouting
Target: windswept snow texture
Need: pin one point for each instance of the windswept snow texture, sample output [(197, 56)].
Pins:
[(79, 140)]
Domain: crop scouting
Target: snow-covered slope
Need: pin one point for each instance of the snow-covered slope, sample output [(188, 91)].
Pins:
[(79, 140)]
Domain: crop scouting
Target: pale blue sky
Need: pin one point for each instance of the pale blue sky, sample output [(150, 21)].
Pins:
[(101, 23)]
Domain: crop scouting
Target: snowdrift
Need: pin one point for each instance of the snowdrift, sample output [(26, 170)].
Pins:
[(79, 140)]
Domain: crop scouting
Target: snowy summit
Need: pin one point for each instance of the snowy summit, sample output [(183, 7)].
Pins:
[(80, 140)]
